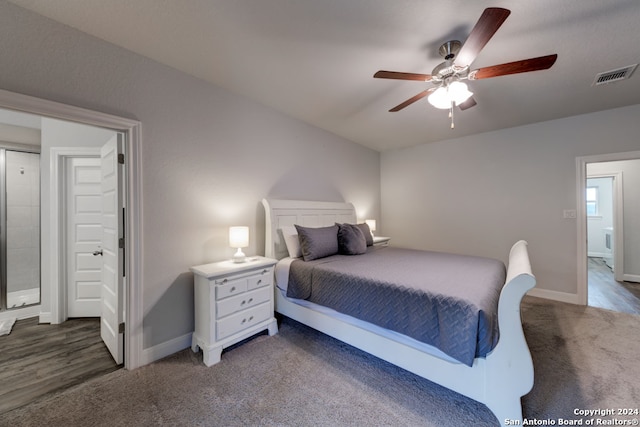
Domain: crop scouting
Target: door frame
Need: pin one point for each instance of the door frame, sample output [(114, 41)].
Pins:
[(133, 182), (581, 183)]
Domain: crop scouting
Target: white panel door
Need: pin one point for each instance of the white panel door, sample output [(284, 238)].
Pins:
[(112, 255), (84, 236)]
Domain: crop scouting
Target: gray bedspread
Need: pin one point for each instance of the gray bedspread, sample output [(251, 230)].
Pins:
[(445, 300)]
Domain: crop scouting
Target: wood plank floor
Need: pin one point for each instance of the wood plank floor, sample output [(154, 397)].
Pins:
[(605, 292), (37, 360)]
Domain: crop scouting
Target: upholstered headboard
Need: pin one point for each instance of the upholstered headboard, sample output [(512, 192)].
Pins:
[(281, 213)]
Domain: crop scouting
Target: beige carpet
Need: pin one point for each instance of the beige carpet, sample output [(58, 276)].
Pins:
[(584, 358)]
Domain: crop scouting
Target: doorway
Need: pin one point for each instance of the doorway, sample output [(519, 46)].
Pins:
[(50, 307), (609, 243)]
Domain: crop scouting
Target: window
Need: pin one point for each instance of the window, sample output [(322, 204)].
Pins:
[(592, 201)]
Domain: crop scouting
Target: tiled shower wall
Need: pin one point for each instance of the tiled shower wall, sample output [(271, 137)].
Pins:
[(23, 221)]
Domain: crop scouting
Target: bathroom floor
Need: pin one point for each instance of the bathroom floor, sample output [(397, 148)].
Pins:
[(606, 292), (39, 359)]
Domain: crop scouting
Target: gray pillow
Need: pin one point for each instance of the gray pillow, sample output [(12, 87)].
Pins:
[(318, 242), (351, 240), (364, 227)]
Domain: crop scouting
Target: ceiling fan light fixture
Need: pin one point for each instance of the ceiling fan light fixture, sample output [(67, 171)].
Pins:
[(459, 92), (440, 98), (456, 92)]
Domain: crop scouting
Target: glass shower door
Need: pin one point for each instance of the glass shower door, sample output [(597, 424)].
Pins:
[(22, 224)]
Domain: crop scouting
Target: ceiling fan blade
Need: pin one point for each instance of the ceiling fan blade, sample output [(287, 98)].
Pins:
[(523, 66), (489, 22), (411, 100), (402, 76), (468, 104)]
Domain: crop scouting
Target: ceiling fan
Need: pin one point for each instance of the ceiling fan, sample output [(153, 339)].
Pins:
[(448, 75)]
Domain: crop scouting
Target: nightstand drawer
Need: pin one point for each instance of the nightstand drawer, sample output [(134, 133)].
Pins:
[(264, 278), (241, 302), (226, 288), (243, 320)]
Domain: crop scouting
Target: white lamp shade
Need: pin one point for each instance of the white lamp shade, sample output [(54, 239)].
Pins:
[(371, 223), (459, 92), (440, 99), (239, 237), (456, 92)]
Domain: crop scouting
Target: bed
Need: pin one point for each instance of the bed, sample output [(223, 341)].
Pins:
[(498, 377)]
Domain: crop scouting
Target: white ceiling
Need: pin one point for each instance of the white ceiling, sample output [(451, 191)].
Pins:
[(314, 59)]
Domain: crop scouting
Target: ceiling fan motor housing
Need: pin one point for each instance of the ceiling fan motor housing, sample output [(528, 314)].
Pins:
[(449, 50), (447, 70)]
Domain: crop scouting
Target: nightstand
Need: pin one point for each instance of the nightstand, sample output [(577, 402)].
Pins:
[(382, 241), (233, 301)]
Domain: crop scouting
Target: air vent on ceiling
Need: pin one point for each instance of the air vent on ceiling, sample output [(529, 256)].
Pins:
[(614, 75)]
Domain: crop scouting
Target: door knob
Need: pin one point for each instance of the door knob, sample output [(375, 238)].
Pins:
[(98, 252)]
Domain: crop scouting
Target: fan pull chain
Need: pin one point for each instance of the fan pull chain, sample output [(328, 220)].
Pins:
[(451, 115)]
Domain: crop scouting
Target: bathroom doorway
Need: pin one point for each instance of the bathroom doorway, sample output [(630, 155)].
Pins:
[(610, 269)]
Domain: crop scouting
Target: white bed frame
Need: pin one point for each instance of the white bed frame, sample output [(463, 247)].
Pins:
[(499, 380)]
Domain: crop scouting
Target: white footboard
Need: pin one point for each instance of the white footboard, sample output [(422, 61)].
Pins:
[(509, 368)]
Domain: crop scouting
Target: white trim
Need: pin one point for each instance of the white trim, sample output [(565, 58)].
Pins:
[(554, 295), (635, 278), (165, 349), (581, 243), (133, 245), (596, 255), (45, 317), (58, 155)]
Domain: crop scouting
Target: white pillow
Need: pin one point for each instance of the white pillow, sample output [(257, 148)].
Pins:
[(292, 241)]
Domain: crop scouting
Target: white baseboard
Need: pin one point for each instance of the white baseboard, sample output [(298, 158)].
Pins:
[(598, 255), (45, 317), (554, 295), (165, 349), (631, 278)]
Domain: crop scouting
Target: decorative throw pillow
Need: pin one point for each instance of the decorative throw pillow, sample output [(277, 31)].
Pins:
[(351, 240), (292, 241), (318, 242)]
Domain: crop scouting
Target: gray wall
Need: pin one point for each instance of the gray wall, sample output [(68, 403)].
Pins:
[(208, 156), (480, 194)]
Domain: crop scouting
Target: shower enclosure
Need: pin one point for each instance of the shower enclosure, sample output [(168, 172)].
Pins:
[(19, 229)]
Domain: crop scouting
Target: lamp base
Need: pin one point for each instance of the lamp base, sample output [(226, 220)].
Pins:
[(239, 256)]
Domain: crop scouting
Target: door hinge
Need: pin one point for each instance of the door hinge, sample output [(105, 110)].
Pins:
[(121, 158), (121, 243), (121, 328)]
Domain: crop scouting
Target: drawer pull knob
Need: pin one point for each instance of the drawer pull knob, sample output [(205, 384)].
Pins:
[(264, 271), (243, 302), (250, 300), (224, 281), (259, 281), (250, 318), (244, 321), (233, 289)]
